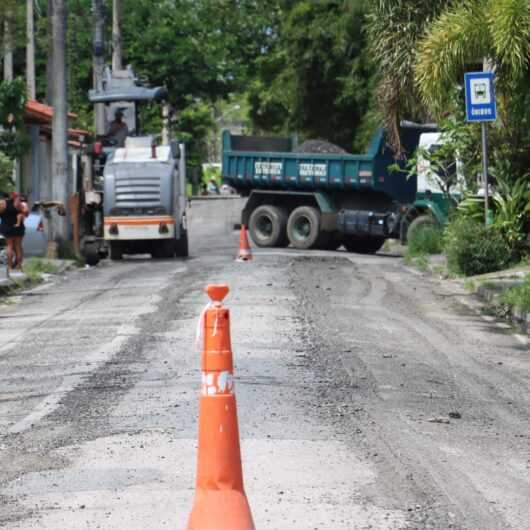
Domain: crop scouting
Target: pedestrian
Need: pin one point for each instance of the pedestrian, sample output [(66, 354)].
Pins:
[(213, 188), (13, 210)]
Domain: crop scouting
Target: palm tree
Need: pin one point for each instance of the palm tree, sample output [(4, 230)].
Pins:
[(473, 34), (494, 31), (395, 27)]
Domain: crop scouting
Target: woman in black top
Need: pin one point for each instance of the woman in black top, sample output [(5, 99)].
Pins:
[(12, 228)]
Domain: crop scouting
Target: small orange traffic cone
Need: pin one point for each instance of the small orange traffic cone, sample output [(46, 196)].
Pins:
[(220, 501), (244, 253)]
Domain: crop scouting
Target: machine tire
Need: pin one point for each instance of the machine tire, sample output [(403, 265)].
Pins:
[(419, 222), (91, 254), (163, 248), (363, 245), (267, 226), (157, 250), (329, 241), (168, 248), (303, 228), (115, 250), (182, 245)]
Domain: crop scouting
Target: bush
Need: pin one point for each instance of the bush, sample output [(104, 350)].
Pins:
[(472, 249), (519, 296), (426, 239)]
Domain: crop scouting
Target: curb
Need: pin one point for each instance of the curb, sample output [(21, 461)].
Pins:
[(492, 295), (490, 292)]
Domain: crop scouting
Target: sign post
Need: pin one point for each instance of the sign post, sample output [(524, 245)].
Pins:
[(481, 106)]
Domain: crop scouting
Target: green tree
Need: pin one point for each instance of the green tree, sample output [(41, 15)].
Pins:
[(316, 78), (13, 140), (395, 28), (498, 33)]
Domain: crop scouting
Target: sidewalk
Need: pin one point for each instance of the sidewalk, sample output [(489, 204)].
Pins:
[(9, 281), (489, 288)]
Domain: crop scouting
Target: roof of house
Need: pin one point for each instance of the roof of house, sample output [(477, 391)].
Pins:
[(35, 109), (42, 114)]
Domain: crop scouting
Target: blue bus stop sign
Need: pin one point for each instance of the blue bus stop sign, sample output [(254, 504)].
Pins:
[(480, 97)]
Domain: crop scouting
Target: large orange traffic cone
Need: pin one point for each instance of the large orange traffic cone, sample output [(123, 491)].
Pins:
[(244, 253), (220, 501)]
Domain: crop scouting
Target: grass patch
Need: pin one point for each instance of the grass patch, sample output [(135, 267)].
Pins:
[(420, 261), (426, 239), (470, 285), (518, 296), (34, 267)]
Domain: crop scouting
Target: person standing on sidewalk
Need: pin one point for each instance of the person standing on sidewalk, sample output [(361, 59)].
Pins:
[(12, 228)]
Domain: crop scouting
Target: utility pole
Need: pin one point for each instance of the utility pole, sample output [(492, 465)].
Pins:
[(60, 180), (8, 47), (49, 53), (117, 35), (98, 60), (30, 51)]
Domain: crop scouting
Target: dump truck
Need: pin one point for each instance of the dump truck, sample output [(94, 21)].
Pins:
[(323, 201)]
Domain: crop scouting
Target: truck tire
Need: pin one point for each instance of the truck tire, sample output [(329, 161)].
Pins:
[(363, 245), (329, 241), (116, 250), (163, 248), (420, 222), (267, 226), (158, 249), (91, 254), (181, 244), (168, 248), (303, 228)]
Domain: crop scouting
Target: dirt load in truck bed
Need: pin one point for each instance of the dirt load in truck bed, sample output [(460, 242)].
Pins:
[(321, 147)]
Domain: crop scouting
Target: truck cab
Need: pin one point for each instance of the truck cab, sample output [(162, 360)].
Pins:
[(432, 204)]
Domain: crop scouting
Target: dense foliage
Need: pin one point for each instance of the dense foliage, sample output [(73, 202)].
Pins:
[(473, 249), (395, 28), (201, 50), (467, 36), (13, 141), (317, 78)]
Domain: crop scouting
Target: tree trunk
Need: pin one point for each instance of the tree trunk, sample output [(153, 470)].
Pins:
[(117, 35), (8, 49), (30, 51), (60, 180), (49, 61), (98, 60)]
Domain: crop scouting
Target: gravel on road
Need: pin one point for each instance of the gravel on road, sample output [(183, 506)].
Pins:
[(368, 397)]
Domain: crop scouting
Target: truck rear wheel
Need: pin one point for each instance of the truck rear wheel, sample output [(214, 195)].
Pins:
[(91, 254), (267, 226), (303, 227), (116, 250), (329, 241), (363, 245), (163, 248), (181, 244)]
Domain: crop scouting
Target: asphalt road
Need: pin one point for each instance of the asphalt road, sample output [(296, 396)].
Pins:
[(368, 395)]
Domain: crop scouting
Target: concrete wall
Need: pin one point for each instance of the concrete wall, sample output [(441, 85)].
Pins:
[(226, 210)]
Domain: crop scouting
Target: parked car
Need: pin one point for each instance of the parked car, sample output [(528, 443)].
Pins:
[(35, 241)]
